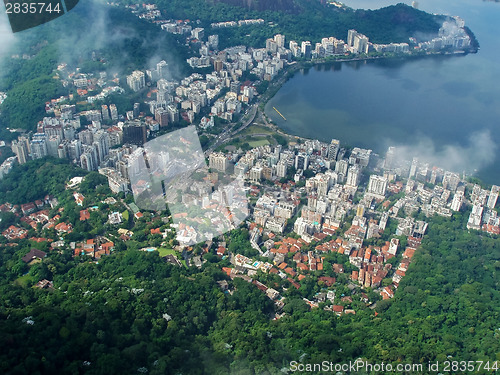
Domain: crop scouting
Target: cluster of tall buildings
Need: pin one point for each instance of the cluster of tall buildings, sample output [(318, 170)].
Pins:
[(161, 71), (357, 42), (483, 215), (88, 148)]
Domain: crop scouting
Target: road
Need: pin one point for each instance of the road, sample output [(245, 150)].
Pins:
[(227, 134)]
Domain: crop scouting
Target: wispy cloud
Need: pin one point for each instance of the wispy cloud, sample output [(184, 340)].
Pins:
[(477, 154), (7, 38)]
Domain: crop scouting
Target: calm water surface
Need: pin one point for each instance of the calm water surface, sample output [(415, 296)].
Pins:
[(445, 109)]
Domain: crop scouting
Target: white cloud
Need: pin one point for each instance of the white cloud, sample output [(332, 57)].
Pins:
[(477, 154), (7, 37)]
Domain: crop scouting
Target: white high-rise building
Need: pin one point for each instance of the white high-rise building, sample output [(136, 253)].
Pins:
[(38, 146), (377, 185), (256, 173), (101, 143), (333, 149), (161, 69), (341, 167), (390, 158), (457, 202), (323, 185), (451, 181), (52, 143), (328, 45), (301, 161), (113, 112), (492, 199), (475, 217), (281, 169), (21, 149), (218, 161), (213, 41), (413, 168), (136, 80), (280, 40), (350, 37), (88, 160), (353, 176), (360, 44), (306, 49)]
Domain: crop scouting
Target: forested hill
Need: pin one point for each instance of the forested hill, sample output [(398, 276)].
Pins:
[(449, 303), (307, 19), (289, 6), (132, 311)]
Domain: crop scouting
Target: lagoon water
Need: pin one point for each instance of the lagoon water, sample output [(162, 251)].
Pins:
[(445, 109)]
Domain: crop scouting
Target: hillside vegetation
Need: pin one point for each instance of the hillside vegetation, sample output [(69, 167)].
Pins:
[(109, 317)]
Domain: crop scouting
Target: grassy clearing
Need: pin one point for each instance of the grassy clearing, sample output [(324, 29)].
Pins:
[(24, 281), (258, 142), (164, 251), (256, 129), (125, 215)]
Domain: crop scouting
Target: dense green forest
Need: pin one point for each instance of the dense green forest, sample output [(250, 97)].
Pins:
[(391, 24), (449, 303), (37, 178)]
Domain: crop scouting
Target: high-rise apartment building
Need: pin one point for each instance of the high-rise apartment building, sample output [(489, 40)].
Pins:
[(353, 176), (218, 161), (21, 148), (136, 80), (135, 133), (377, 185)]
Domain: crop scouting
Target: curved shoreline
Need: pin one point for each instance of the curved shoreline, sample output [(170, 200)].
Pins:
[(297, 65), (288, 72)]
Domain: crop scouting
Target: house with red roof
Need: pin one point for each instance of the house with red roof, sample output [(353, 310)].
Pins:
[(84, 215), (14, 232), (78, 198), (221, 250), (328, 281), (293, 282), (338, 309), (28, 208), (64, 227)]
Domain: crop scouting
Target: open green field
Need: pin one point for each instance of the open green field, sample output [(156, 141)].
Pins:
[(258, 142), (164, 251), (125, 215), (24, 281), (256, 129)]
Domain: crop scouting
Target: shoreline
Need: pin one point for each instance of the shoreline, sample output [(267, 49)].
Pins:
[(288, 72), (297, 65)]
